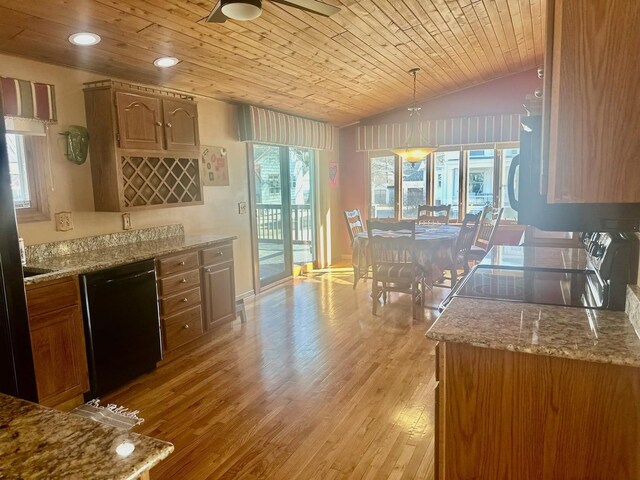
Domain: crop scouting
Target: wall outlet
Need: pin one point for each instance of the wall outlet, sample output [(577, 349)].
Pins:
[(126, 221), (64, 221), (242, 208)]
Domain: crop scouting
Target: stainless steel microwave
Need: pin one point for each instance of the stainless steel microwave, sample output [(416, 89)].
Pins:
[(524, 188)]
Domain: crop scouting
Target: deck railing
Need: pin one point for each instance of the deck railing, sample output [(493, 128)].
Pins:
[(270, 223)]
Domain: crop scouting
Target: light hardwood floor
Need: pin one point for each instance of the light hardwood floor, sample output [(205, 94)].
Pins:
[(313, 386)]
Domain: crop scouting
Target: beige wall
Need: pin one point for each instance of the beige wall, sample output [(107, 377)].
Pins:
[(70, 185)]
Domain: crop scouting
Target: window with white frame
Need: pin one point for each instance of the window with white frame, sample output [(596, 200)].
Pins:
[(466, 178)]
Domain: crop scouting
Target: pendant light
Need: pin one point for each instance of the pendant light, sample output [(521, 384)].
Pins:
[(415, 148)]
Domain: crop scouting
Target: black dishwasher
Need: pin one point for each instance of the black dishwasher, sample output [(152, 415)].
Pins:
[(122, 324)]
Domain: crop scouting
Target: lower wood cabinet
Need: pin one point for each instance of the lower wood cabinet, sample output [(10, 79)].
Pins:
[(57, 341), (197, 292), (502, 414)]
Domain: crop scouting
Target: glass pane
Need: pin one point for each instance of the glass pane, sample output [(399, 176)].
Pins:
[(507, 158), (480, 180), (302, 227), (447, 181), (269, 215), (18, 171), (383, 190), (414, 187)]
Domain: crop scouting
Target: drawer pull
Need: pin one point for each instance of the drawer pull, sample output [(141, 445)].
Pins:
[(169, 124), (186, 327), (158, 124), (185, 299), (182, 264), (220, 254), (208, 270), (184, 280)]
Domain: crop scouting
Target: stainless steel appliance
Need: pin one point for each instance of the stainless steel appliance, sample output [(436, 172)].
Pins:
[(596, 278), (122, 325), (526, 176)]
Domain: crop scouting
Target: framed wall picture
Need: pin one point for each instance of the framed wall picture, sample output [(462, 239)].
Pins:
[(214, 166), (333, 175)]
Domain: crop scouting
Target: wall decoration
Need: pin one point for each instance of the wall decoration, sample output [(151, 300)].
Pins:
[(77, 144), (333, 175), (214, 165)]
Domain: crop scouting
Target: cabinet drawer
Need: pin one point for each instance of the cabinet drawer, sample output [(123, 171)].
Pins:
[(182, 328), (179, 283), (216, 255), (181, 301), (177, 264), (52, 296)]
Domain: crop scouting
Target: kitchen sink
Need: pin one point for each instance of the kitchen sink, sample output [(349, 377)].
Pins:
[(33, 271)]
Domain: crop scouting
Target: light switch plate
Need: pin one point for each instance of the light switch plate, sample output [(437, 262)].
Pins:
[(242, 208), (126, 221), (64, 221)]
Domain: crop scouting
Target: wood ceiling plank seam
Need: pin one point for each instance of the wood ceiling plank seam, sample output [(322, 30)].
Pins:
[(517, 23), (485, 21), (538, 30), (465, 53), (431, 49), (448, 39), (473, 32), (494, 16), (527, 28), (505, 19), (500, 64)]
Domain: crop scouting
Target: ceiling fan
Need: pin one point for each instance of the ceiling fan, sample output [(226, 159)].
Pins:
[(250, 9)]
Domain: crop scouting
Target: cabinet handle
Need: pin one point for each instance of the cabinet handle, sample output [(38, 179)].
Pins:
[(182, 264), (184, 280), (208, 270), (220, 254), (186, 327), (185, 299), (169, 125), (158, 124)]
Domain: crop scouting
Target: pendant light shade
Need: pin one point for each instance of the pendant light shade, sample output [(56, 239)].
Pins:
[(415, 148), (242, 9)]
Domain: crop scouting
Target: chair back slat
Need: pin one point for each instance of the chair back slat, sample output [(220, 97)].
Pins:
[(489, 224), (391, 249), (354, 223), (434, 214), (466, 236)]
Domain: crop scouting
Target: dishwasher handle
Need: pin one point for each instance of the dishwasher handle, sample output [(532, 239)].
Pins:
[(126, 279)]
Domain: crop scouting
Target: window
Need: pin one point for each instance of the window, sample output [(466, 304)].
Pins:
[(466, 179), (27, 149)]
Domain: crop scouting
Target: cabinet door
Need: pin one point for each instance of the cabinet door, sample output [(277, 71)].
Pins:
[(139, 121), (219, 294), (59, 355), (181, 124), (591, 116)]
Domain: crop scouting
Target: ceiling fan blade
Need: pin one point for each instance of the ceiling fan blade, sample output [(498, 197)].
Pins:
[(216, 15), (311, 6)]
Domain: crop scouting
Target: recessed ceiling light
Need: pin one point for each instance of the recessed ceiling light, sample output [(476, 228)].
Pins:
[(166, 62), (84, 38)]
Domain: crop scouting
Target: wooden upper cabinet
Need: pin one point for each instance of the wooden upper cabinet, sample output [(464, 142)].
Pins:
[(592, 126), (139, 121), (181, 124)]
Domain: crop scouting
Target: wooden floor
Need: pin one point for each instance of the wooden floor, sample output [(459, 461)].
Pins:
[(311, 387)]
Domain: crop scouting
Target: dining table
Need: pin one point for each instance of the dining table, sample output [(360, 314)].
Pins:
[(433, 250)]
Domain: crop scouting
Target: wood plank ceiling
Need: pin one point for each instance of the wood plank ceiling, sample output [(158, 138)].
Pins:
[(340, 69)]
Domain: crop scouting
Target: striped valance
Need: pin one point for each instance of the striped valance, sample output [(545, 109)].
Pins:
[(24, 99), (267, 126), (450, 131)]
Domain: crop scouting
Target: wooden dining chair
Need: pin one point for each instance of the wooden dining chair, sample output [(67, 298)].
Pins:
[(354, 222), (392, 263), (489, 224), (460, 253), (434, 214)]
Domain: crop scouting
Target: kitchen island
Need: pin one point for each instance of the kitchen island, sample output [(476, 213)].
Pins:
[(535, 391), (41, 443)]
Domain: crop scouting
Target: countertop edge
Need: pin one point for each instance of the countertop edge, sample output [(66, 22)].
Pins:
[(45, 277), (164, 453), (541, 351)]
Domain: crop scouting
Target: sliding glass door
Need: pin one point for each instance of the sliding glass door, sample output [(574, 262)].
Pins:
[(284, 210)]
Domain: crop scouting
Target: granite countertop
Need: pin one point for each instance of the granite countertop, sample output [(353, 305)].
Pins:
[(536, 257), (41, 443), (593, 335), (100, 259)]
